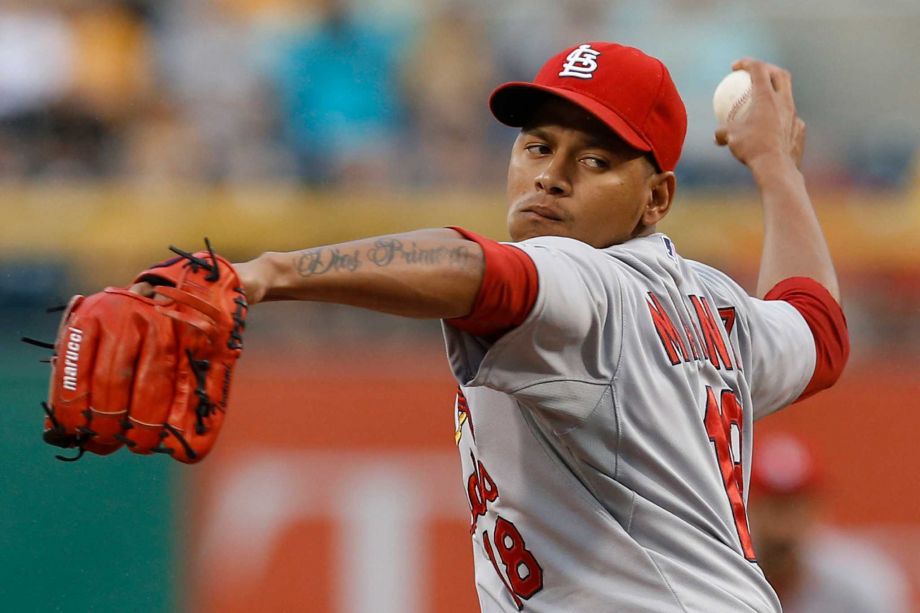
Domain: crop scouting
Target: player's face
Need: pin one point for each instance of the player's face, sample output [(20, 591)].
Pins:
[(572, 176)]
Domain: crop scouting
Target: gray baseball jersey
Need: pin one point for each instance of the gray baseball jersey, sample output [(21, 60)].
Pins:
[(606, 441)]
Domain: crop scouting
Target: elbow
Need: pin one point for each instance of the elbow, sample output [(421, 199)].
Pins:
[(832, 351), (824, 316)]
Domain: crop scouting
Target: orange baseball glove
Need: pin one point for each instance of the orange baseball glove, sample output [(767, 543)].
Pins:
[(149, 373)]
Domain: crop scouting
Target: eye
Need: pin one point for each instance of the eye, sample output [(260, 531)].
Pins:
[(593, 161), (537, 149)]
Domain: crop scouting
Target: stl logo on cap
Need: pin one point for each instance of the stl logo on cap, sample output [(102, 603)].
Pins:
[(580, 63)]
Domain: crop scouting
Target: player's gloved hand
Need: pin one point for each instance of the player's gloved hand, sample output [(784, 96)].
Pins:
[(771, 127), (151, 372)]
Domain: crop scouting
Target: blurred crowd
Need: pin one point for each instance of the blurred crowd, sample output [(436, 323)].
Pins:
[(813, 566), (392, 93)]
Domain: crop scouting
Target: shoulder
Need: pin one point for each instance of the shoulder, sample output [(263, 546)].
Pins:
[(558, 244), (717, 282), (654, 249), (567, 259)]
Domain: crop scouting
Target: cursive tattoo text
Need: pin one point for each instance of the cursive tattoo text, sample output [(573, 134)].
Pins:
[(384, 252), (325, 259), (388, 250)]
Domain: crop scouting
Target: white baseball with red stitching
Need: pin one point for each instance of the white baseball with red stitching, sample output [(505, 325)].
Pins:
[(732, 98)]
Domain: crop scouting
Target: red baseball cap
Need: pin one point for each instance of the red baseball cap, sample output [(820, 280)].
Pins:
[(630, 92)]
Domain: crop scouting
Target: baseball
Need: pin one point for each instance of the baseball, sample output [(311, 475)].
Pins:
[(732, 98)]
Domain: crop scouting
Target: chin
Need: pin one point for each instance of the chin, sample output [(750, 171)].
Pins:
[(533, 233), (522, 235), (521, 230)]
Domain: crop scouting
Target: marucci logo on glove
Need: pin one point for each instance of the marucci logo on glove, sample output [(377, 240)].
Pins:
[(157, 364), (71, 359)]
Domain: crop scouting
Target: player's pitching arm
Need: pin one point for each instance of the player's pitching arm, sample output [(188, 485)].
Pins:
[(770, 141), (433, 273)]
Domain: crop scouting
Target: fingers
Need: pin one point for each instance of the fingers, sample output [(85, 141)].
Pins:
[(767, 77), (721, 136), (154, 385), (760, 74), (798, 140), (143, 288), (113, 375), (780, 78), (782, 84), (148, 290), (75, 354), (96, 447), (126, 369)]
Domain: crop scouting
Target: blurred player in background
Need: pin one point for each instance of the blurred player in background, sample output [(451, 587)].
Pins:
[(607, 386), (812, 568)]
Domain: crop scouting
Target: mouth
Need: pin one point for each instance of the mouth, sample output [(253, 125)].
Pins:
[(543, 211)]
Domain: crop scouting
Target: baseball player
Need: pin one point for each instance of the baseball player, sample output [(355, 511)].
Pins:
[(607, 385), (813, 566)]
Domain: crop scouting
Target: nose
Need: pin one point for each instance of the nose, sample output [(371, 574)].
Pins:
[(553, 179)]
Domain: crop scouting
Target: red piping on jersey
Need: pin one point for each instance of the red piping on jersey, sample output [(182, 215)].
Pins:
[(507, 293), (828, 325)]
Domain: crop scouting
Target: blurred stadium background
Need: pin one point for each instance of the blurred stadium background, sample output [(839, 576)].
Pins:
[(126, 126)]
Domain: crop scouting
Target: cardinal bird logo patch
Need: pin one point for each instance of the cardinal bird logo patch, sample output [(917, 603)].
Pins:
[(461, 416)]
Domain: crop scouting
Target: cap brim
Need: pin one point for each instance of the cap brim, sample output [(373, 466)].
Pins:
[(513, 103)]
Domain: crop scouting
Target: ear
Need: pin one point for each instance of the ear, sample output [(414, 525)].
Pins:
[(661, 188)]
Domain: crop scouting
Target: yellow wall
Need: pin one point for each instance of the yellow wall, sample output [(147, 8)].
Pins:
[(114, 230)]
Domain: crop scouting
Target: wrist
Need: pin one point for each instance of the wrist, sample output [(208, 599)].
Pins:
[(257, 277), (771, 166)]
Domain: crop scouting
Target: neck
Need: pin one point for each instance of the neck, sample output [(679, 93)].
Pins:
[(643, 231)]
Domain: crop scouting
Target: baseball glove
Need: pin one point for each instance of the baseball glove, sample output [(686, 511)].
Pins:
[(151, 373)]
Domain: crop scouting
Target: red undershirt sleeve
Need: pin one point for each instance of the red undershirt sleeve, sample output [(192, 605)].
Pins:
[(507, 293), (828, 325)]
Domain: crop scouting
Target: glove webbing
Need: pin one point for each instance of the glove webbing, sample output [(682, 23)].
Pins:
[(200, 368)]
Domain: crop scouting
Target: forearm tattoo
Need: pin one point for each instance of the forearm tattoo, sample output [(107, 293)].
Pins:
[(384, 252), (321, 260)]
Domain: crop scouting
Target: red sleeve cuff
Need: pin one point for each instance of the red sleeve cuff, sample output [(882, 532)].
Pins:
[(828, 325), (507, 293)]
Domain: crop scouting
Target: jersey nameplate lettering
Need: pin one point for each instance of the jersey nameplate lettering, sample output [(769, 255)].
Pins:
[(701, 340)]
